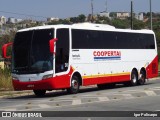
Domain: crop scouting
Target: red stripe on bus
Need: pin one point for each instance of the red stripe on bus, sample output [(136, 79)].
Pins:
[(58, 82), (109, 79), (152, 68)]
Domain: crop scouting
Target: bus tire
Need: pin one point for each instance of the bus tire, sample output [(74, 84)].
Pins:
[(75, 84), (39, 93), (142, 79), (134, 78)]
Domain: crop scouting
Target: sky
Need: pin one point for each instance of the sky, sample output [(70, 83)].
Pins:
[(70, 8)]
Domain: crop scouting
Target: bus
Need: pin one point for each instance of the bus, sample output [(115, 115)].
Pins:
[(55, 57)]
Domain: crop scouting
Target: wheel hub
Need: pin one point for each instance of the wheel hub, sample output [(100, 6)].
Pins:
[(134, 79), (74, 84)]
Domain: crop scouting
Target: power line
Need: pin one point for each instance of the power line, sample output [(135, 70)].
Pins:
[(22, 14)]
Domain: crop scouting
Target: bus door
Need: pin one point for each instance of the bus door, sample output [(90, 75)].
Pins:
[(62, 50)]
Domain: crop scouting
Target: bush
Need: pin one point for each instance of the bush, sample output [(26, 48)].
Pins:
[(5, 79)]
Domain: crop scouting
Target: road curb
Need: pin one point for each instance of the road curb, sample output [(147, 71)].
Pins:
[(8, 94)]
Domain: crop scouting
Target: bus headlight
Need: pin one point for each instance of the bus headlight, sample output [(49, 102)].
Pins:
[(14, 78), (47, 76)]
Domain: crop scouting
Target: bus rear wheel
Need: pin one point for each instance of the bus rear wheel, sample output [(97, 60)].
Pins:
[(142, 79), (74, 85), (39, 93)]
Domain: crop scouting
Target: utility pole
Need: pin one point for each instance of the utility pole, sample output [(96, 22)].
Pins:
[(131, 14), (92, 10), (151, 15), (106, 7)]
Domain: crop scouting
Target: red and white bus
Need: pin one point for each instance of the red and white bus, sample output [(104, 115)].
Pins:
[(69, 56)]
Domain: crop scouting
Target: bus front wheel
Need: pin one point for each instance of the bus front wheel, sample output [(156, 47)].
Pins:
[(39, 93), (74, 85)]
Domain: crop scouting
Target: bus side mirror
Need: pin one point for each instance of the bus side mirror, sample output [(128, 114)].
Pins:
[(51, 45), (4, 50)]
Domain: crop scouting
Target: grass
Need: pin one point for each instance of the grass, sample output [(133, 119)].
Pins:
[(5, 80)]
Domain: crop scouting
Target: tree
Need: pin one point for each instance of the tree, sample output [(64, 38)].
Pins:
[(6, 38), (118, 23), (153, 14), (113, 14), (81, 18), (158, 42), (103, 20), (74, 20), (137, 24), (54, 22), (65, 21)]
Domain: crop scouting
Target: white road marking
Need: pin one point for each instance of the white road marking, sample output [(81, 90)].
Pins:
[(157, 110), (88, 96), (43, 106), (103, 98), (150, 93), (10, 109), (133, 91), (128, 96), (76, 102), (157, 87)]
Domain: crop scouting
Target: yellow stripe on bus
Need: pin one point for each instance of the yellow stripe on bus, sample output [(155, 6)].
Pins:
[(105, 75)]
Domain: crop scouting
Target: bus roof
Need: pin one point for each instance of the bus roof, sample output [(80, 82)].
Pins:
[(88, 26)]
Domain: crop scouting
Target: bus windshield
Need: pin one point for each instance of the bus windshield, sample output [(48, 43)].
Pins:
[(31, 53)]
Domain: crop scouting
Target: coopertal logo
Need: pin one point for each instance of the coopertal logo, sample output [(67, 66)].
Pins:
[(107, 55)]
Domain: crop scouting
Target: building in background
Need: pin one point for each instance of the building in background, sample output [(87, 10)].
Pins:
[(139, 16), (122, 15), (105, 14), (11, 20), (18, 20), (3, 20), (52, 19)]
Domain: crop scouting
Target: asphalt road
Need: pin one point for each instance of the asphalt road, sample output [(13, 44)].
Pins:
[(120, 98)]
